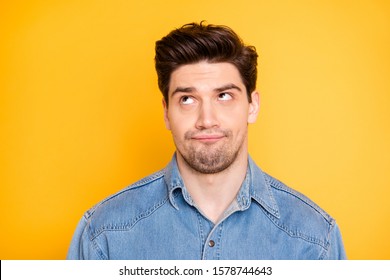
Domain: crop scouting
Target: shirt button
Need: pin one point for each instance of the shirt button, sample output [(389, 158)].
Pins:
[(211, 243)]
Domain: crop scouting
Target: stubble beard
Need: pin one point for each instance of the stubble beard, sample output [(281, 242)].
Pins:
[(210, 158)]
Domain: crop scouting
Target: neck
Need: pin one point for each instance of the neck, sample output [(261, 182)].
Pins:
[(213, 193)]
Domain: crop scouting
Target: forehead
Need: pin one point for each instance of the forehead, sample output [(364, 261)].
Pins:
[(205, 76)]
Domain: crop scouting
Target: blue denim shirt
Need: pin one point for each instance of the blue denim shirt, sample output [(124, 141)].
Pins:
[(156, 218)]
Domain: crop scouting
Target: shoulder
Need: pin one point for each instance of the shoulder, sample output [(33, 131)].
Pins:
[(289, 197), (124, 209), (299, 215)]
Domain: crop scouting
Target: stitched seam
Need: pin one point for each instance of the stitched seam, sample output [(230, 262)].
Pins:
[(281, 187), (132, 223), (295, 234), (98, 250), (138, 184), (201, 231), (219, 248), (326, 249)]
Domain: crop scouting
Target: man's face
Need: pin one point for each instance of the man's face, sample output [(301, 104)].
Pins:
[(208, 115)]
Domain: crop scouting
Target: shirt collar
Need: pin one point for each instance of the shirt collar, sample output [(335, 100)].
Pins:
[(255, 186), (174, 181)]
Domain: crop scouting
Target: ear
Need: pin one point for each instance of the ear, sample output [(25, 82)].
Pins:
[(166, 119), (254, 107)]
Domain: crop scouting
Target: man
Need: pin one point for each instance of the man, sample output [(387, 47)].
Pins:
[(211, 201)]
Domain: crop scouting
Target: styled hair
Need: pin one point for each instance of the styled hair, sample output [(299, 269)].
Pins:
[(194, 43)]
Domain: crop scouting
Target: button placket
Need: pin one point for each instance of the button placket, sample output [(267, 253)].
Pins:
[(212, 246)]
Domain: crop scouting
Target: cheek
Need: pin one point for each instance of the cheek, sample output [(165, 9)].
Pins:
[(178, 129), (236, 119), (181, 122)]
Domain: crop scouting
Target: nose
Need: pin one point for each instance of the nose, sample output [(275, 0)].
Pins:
[(207, 116)]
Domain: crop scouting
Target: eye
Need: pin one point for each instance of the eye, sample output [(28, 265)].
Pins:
[(224, 96), (187, 100)]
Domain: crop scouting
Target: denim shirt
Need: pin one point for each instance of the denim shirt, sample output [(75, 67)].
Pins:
[(156, 218)]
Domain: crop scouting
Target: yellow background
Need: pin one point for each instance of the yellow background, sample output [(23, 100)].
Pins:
[(81, 115)]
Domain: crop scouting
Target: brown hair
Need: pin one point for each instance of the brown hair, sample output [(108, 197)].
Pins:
[(204, 42)]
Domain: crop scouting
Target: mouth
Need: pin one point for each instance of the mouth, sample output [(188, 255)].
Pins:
[(208, 138)]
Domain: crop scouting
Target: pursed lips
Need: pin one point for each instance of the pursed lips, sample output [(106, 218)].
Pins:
[(208, 138)]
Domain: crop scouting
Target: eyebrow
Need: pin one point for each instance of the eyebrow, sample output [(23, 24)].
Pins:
[(219, 89), (183, 89), (227, 87)]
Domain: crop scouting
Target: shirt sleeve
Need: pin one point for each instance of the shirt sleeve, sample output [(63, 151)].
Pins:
[(81, 247), (336, 249)]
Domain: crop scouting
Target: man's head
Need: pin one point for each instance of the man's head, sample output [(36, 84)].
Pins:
[(194, 43), (208, 77)]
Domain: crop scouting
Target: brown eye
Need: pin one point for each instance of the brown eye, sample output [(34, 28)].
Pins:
[(186, 100), (224, 96)]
